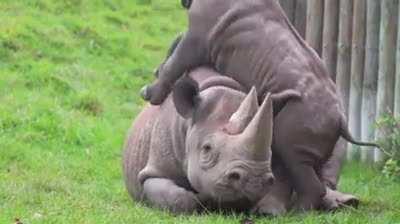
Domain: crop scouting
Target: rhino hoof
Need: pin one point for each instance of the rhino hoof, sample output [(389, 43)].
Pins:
[(273, 212), (269, 207), (334, 200), (145, 93), (352, 202), (186, 3)]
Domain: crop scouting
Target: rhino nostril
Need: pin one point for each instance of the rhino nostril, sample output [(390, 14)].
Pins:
[(234, 176)]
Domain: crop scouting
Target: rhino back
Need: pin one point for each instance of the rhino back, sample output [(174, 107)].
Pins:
[(255, 44), (137, 148)]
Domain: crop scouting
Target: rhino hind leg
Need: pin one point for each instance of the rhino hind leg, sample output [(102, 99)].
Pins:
[(334, 199), (330, 170), (165, 194), (170, 51)]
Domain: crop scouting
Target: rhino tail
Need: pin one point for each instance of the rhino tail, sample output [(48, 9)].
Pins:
[(345, 133)]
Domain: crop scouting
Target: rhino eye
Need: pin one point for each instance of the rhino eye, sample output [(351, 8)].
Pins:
[(207, 147), (208, 157)]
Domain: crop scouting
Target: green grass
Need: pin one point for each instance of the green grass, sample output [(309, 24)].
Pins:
[(70, 71)]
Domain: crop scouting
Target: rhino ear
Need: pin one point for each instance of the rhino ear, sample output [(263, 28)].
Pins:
[(186, 3), (185, 96)]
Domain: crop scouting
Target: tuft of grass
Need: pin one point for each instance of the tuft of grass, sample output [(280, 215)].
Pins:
[(90, 104), (70, 72)]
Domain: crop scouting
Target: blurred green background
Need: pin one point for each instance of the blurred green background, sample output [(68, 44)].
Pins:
[(70, 73)]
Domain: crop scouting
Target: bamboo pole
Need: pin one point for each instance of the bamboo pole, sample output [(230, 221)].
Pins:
[(330, 35), (357, 68), (397, 85), (315, 12), (344, 53), (289, 7), (370, 78), (300, 17), (387, 65)]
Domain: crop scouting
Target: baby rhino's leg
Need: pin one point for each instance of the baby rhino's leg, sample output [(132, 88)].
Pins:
[(277, 200), (330, 172), (189, 53), (170, 51)]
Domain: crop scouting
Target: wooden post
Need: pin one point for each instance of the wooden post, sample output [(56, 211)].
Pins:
[(315, 12), (344, 50), (300, 17), (357, 68), (368, 111), (387, 64), (397, 87), (330, 35), (289, 7), (344, 53)]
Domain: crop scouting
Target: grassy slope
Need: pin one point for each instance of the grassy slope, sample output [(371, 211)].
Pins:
[(69, 76)]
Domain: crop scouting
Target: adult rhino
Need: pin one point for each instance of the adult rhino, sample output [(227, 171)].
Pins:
[(213, 148), (253, 42)]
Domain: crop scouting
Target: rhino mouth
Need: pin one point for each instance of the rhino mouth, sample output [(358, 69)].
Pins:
[(253, 185), (227, 196)]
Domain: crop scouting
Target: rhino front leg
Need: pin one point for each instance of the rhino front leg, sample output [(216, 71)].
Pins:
[(170, 51), (165, 194), (190, 52), (277, 200)]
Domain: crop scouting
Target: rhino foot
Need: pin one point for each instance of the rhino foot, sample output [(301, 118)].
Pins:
[(183, 201), (334, 200), (144, 93), (165, 194), (269, 206), (155, 93)]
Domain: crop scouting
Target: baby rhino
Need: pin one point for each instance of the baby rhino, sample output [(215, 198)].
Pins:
[(207, 146)]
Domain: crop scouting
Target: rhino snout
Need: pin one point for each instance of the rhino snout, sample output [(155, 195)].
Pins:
[(236, 176)]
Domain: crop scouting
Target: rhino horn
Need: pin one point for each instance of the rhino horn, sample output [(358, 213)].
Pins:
[(258, 134), (246, 111)]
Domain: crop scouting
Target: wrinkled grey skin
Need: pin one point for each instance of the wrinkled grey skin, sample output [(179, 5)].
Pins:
[(212, 149), (161, 157), (253, 42)]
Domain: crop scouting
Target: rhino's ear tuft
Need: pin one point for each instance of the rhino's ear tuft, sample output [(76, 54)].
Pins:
[(186, 3), (185, 96)]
